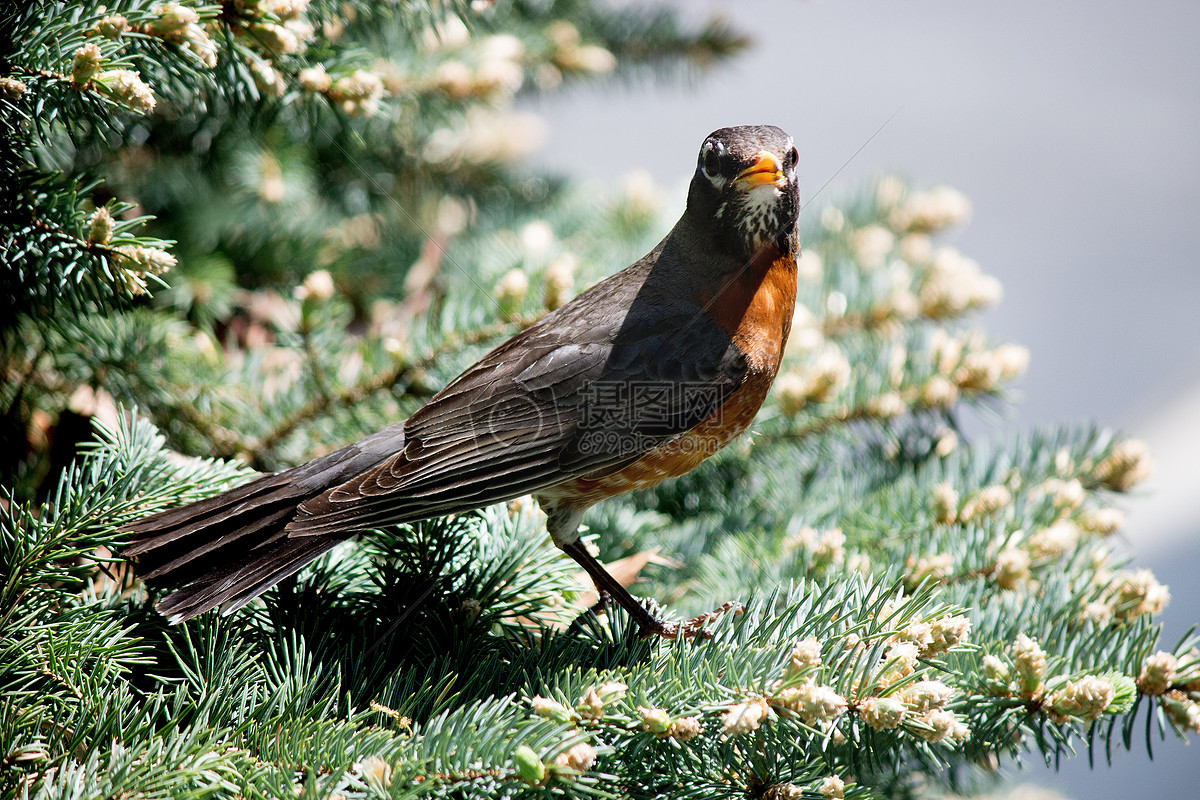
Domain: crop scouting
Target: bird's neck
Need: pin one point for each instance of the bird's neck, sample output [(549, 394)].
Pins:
[(751, 298), (755, 302)]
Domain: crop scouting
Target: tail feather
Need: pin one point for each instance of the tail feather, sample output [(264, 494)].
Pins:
[(167, 527), (226, 550), (233, 585), (266, 524)]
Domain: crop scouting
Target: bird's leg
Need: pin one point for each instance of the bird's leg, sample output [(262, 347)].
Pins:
[(648, 624)]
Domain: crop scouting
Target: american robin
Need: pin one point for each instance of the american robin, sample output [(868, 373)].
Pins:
[(638, 379)]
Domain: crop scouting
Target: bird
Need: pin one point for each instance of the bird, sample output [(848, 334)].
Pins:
[(635, 381)]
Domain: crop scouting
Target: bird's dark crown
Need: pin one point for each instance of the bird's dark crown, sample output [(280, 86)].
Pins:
[(745, 189)]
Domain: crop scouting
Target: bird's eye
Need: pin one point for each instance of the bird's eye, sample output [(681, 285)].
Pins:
[(792, 158), (710, 159)]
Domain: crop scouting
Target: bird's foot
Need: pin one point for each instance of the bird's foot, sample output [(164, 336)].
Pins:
[(689, 628), (603, 599)]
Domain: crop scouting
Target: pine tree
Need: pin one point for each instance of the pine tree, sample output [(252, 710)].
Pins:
[(242, 234)]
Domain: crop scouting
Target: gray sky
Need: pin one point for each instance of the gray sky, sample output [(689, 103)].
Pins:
[(1074, 127)]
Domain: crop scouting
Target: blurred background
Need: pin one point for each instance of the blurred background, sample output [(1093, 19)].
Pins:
[(1072, 127)]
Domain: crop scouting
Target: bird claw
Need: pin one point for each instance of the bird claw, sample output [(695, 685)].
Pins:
[(690, 628)]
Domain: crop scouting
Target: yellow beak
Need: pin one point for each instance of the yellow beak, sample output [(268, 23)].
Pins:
[(765, 170)]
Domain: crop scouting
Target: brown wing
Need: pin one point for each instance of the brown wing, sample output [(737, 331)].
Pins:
[(582, 392)]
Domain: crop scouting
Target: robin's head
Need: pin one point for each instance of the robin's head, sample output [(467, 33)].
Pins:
[(745, 188)]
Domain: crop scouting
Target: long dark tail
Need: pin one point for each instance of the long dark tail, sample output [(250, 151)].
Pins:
[(228, 549)]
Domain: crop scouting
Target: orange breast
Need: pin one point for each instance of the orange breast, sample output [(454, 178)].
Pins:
[(755, 307)]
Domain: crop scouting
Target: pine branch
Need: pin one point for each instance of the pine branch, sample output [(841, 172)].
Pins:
[(404, 373)]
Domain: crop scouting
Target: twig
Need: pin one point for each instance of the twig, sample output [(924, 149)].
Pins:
[(401, 372)]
